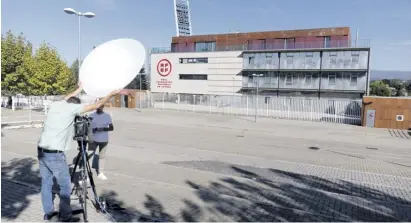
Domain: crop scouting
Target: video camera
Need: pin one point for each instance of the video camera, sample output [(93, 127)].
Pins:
[(81, 127)]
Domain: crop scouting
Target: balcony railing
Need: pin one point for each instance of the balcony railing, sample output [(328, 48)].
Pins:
[(362, 43)]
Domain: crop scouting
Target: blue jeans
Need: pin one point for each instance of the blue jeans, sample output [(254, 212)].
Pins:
[(55, 165)]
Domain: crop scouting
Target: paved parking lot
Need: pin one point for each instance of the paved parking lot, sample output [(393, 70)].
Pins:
[(178, 166)]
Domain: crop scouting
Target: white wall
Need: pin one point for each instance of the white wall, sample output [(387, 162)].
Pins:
[(223, 69)]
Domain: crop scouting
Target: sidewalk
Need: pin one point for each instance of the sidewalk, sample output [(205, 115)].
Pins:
[(21, 202)]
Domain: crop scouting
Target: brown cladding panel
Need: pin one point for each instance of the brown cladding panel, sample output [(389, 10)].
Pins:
[(387, 109), (117, 101), (233, 38)]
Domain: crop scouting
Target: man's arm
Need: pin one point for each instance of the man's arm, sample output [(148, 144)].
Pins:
[(89, 108), (106, 129), (74, 93)]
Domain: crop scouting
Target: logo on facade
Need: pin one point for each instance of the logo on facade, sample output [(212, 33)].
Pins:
[(164, 67)]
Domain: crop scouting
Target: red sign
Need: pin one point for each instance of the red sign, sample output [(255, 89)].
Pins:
[(164, 67)]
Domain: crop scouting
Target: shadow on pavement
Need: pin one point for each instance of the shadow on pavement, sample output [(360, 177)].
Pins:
[(122, 213), (251, 194), (276, 195), (14, 196)]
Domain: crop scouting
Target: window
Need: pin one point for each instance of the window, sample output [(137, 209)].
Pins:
[(331, 80), (333, 59), (355, 53), (327, 41), (355, 59), (251, 59), (353, 80), (309, 54), (174, 47), (193, 76), (308, 79), (309, 58), (289, 43), (194, 60), (290, 58), (205, 46), (289, 79), (262, 44)]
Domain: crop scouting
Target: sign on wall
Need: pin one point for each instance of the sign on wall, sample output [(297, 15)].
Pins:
[(164, 68), (182, 17)]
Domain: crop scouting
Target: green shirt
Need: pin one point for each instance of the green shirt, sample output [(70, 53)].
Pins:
[(58, 129)]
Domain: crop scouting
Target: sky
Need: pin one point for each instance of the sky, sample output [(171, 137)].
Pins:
[(386, 23)]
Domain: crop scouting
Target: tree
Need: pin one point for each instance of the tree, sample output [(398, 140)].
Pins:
[(45, 73), (14, 51), (38, 74), (398, 85), (135, 83), (408, 86), (379, 88), (51, 75), (74, 69)]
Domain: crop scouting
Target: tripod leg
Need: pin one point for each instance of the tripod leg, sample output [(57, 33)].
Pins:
[(74, 171), (98, 201), (84, 183)]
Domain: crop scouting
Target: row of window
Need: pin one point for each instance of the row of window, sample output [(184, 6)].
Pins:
[(291, 42), (287, 43), (194, 60), (193, 77), (288, 79), (308, 79)]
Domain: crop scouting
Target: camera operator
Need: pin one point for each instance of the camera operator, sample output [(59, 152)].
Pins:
[(101, 124), (55, 139)]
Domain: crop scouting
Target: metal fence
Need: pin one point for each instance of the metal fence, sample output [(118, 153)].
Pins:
[(28, 110), (293, 108), (33, 108)]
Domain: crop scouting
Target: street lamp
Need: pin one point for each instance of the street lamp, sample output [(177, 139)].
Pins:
[(90, 15), (256, 94)]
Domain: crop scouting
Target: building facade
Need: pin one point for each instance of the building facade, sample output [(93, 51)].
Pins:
[(323, 63)]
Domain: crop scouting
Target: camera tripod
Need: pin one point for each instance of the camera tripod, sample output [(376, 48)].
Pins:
[(85, 173)]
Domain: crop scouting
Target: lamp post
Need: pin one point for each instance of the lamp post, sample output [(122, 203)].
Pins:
[(90, 15), (233, 86), (256, 94)]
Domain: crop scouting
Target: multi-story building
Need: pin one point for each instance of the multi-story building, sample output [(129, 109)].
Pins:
[(306, 63)]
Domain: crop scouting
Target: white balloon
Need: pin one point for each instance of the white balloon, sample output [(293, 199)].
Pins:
[(111, 66)]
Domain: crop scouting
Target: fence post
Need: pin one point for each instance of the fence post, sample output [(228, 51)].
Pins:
[(288, 109), (46, 108), (209, 102), (229, 103), (311, 105), (30, 119), (246, 102), (163, 100), (267, 106), (13, 103), (335, 112), (194, 102)]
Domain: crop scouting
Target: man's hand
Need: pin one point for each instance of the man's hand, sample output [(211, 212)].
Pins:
[(98, 130)]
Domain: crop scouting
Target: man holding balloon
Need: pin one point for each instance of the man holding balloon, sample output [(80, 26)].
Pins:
[(56, 139), (110, 66)]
